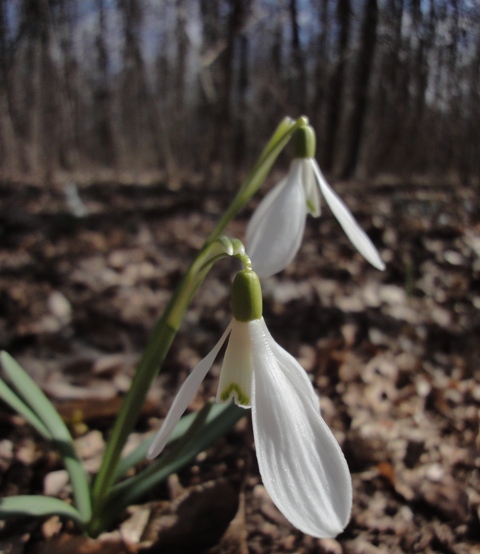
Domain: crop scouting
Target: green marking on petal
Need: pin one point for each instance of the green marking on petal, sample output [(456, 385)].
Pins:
[(311, 206), (233, 389)]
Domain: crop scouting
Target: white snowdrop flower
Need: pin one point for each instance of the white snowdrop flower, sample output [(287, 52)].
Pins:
[(301, 464), (275, 231)]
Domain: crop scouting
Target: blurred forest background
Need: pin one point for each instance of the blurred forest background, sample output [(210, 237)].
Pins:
[(391, 86)]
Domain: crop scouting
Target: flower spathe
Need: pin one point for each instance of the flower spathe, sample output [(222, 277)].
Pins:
[(275, 231), (301, 464)]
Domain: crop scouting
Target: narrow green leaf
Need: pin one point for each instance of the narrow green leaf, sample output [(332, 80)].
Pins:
[(38, 506), (34, 397), (10, 398), (140, 452), (218, 421)]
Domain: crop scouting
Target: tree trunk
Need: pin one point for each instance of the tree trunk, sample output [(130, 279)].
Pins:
[(106, 152), (321, 72), (298, 78), (337, 85), (361, 83), (182, 47), (8, 142)]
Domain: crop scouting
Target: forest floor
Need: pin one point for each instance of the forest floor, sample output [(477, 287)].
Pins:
[(394, 355)]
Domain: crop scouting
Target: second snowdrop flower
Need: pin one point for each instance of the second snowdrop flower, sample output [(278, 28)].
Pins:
[(301, 464), (275, 231)]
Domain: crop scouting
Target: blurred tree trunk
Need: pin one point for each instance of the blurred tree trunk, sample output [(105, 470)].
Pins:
[(420, 66), (421, 46), (390, 95), (46, 111), (455, 85), (469, 164), (272, 101), (132, 86), (337, 85), (360, 87), (223, 122), (298, 84), (321, 72), (182, 48), (69, 154), (238, 9), (240, 142), (8, 141), (106, 152), (141, 132), (208, 76)]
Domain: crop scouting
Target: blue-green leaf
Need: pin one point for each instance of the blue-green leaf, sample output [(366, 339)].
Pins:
[(10, 398), (36, 400)]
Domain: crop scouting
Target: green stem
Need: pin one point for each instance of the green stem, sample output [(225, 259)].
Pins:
[(152, 359), (169, 323), (154, 355)]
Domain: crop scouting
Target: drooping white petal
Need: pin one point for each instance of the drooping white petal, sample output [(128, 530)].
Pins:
[(184, 396), (236, 375), (301, 464), (312, 193), (353, 231), (262, 209), (277, 230), (291, 368)]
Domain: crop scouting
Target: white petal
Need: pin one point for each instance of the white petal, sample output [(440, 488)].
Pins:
[(312, 194), (353, 231), (262, 209), (236, 375), (301, 464), (292, 369), (278, 224), (184, 396)]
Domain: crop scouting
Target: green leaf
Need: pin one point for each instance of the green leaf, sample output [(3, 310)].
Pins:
[(10, 398), (38, 506), (36, 400), (219, 419), (140, 452), (33, 396)]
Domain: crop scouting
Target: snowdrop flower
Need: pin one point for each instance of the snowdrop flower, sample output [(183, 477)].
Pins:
[(301, 464), (275, 231)]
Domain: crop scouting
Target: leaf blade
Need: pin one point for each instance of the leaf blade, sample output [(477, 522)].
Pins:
[(17, 404), (38, 402), (38, 506)]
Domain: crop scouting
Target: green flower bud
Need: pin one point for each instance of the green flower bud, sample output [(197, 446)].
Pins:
[(246, 296), (304, 142)]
